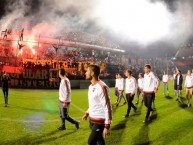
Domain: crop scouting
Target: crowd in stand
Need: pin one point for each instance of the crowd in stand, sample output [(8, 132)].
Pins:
[(76, 60), (89, 39), (76, 65)]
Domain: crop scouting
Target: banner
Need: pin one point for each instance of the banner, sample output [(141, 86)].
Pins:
[(39, 78)]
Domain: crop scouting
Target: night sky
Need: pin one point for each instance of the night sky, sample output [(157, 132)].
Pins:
[(2, 7)]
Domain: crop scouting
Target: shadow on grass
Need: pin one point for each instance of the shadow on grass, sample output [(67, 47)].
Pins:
[(153, 117), (182, 105), (183, 100), (121, 125), (143, 136), (117, 129), (169, 97), (29, 140)]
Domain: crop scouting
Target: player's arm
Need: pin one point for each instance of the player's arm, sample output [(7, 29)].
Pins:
[(67, 88), (67, 93), (157, 82), (108, 109), (134, 86)]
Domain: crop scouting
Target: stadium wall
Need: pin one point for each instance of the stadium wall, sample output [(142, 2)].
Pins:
[(45, 79), (45, 84)]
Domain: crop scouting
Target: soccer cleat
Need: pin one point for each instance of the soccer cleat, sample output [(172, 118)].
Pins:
[(61, 128), (124, 103), (126, 116), (145, 120), (135, 110), (77, 125)]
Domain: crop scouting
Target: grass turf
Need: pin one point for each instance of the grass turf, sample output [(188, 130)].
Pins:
[(32, 118)]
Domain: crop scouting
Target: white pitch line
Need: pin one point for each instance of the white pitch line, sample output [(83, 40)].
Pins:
[(29, 121), (77, 107)]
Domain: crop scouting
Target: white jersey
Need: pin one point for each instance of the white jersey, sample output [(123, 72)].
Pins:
[(120, 84), (174, 76), (116, 83), (151, 82), (188, 82), (100, 110), (130, 85), (65, 90), (140, 83), (165, 78)]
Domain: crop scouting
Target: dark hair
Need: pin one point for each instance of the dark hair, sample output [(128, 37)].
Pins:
[(141, 74), (62, 72), (179, 71), (129, 71), (148, 66), (120, 73), (95, 69)]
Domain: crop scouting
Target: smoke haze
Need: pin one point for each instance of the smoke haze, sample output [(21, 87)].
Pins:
[(56, 17)]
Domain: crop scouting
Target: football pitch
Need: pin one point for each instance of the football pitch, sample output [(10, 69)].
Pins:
[(32, 118)]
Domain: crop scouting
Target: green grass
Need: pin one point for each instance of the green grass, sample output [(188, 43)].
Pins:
[(32, 118)]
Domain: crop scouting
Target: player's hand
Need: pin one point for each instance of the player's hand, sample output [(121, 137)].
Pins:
[(85, 117), (106, 132), (64, 105), (155, 90)]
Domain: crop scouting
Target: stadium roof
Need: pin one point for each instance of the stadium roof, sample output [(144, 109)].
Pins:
[(184, 52)]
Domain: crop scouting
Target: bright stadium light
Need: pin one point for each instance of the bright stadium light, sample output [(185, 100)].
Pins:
[(139, 20)]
